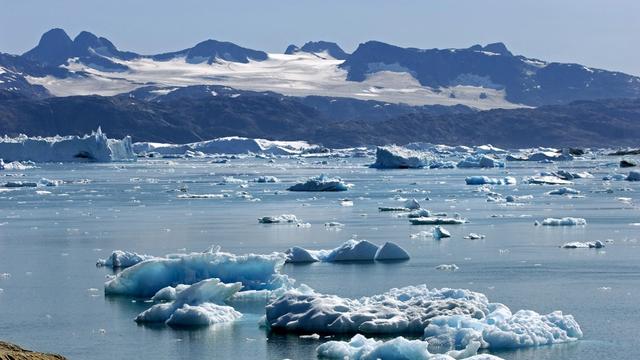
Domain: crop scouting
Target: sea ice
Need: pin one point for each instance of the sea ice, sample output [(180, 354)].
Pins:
[(282, 219), (482, 180), (480, 161), (564, 191), (583, 245), (437, 221)]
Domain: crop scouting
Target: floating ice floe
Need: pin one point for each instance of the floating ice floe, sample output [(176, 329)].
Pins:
[(437, 221), (122, 259), (202, 196), (16, 165), (565, 221), (480, 161), (615, 177), (567, 175), (94, 147), (399, 348), (439, 233), (227, 145), (397, 157), (266, 179), (447, 267), (320, 183), (564, 191), (200, 304), (474, 236), (282, 219), (408, 205), (230, 180), (453, 318), (255, 272), (583, 245), (542, 156), (514, 198), (546, 180), (485, 180), (351, 250), (419, 213)]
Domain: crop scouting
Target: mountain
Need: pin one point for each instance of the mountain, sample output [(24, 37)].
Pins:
[(190, 118), (526, 81), (480, 77), (211, 50), (13, 82), (56, 48), (319, 48)]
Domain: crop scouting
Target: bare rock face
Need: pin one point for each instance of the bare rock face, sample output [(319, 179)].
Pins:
[(10, 351)]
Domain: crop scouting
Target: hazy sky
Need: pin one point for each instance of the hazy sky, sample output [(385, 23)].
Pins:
[(596, 33)]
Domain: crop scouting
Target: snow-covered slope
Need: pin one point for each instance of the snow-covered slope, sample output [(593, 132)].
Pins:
[(94, 147), (300, 74)]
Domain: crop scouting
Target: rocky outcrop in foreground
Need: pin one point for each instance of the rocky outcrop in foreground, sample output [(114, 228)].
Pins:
[(10, 351)]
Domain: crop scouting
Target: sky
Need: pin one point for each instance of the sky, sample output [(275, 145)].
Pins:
[(596, 33)]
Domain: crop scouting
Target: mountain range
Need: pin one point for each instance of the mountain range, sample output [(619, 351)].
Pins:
[(314, 92)]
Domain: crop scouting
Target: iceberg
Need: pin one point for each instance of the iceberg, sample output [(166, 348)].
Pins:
[(480, 161), (400, 348), (282, 219), (298, 255), (454, 318), (397, 157), (95, 147), (320, 183), (439, 232), (391, 251), (437, 221), (583, 245), (199, 304), (546, 180), (566, 221), (447, 267), (564, 191), (145, 279), (409, 205), (353, 250), (227, 145), (485, 180), (122, 259), (266, 179), (542, 156), (16, 165)]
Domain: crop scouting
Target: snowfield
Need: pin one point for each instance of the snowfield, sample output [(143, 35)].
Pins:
[(300, 74)]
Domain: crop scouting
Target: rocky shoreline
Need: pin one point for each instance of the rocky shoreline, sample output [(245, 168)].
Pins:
[(10, 351)]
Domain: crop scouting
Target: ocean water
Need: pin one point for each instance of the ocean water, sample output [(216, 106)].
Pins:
[(52, 294)]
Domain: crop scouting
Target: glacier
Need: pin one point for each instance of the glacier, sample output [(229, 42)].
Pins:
[(94, 147)]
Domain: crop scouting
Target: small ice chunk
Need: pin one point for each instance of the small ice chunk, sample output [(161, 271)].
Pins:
[(485, 180), (437, 221), (447, 267), (564, 191), (583, 245), (266, 179), (282, 219), (320, 183), (439, 233)]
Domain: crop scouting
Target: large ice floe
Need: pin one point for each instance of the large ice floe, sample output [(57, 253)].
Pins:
[(397, 157), (446, 318), (480, 161), (226, 145), (255, 272), (95, 147), (351, 250), (320, 183), (200, 304), (485, 180)]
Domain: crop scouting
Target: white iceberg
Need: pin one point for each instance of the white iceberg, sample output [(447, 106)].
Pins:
[(297, 255), (397, 157), (16, 165), (320, 183), (227, 145), (565, 221), (122, 259), (95, 147), (282, 219), (583, 245), (437, 221), (542, 156), (353, 250), (546, 180), (391, 251), (266, 179), (564, 191), (480, 161), (255, 272), (485, 180), (399, 348), (439, 233), (200, 304)]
